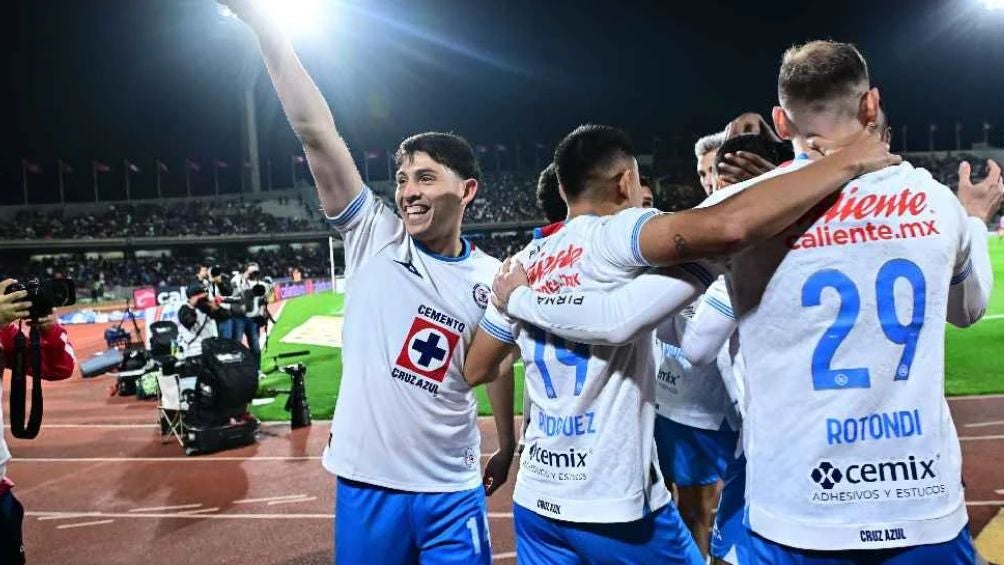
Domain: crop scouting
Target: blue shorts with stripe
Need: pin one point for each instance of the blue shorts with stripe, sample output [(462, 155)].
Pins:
[(379, 525), (730, 538), (690, 456), (660, 537)]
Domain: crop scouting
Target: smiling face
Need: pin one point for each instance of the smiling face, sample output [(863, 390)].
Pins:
[(432, 198)]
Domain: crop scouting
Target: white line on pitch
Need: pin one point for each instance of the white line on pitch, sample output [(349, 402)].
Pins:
[(978, 438), (976, 397), (994, 317), (500, 556), (182, 515), (201, 511), (999, 491), (160, 459), (69, 516), (253, 500), (125, 426), (47, 515), (985, 503), (161, 508), (291, 500), (985, 424), (82, 524)]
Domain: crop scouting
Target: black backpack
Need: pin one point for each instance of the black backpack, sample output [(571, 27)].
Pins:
[(228, 379)]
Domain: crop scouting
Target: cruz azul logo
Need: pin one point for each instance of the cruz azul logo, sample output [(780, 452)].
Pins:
[(901, 479), (425, 355)]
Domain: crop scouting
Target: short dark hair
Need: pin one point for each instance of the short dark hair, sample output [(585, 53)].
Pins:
[(588, 148), (645, 181), (549, 195), (819, 72), (447, 149)]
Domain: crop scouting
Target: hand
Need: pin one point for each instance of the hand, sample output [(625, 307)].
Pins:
[(862, 152), (44, 324), (13, 306), (510, 276), (497, 470), (984, 199), (742, 165), (750, 122), (249, 11)]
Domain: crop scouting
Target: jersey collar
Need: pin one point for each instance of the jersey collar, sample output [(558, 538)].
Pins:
[(465, 251), (549, 229)]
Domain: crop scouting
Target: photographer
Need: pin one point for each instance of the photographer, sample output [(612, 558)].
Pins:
[(248, 312), (196, 320), (57, 364), (220, 293)]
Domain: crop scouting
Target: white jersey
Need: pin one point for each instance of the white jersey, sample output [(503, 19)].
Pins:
[(692, 395), (590, 452), (848, 437), (406, 418)]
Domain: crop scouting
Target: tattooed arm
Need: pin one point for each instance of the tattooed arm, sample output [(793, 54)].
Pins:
[(761, 211)]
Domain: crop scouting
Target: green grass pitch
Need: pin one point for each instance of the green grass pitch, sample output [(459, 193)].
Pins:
[(973, 362)]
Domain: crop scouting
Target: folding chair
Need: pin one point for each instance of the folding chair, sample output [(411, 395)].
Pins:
[(172, 407)]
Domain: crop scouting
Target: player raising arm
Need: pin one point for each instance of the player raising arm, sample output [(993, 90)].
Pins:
[(404, 438)]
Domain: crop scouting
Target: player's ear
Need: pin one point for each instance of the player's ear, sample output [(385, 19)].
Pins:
[(470, 191), (869, 108), (624, 184), (781, 123)]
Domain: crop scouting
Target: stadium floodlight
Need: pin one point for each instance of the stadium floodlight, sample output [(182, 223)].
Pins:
[(993, 4), (294, 16)]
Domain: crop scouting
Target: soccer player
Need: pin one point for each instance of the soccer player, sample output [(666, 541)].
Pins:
[(705, 150), (404, 440), (647, 198), (852, 453), (588, 485)]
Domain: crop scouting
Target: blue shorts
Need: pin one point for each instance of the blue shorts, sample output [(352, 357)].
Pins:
[(958, 551), (380, 525), (730, 538), (661, 537), (691, 457)]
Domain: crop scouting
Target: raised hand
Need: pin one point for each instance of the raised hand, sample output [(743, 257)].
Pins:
[(984, 199)]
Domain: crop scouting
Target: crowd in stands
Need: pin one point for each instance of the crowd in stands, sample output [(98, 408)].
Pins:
[(193, 218), (503, 197), (945, 167), (96, 277)]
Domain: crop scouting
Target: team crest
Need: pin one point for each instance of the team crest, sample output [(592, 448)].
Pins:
[(428, 349), (481, 294), (469, 458)]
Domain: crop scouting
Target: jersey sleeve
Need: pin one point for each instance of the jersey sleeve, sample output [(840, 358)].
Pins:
[(616, 242), (713, 323), (611, 317), (498, 325), (366, 225), (972, 278)]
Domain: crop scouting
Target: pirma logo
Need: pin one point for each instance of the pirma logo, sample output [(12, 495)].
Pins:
[(826, 475)]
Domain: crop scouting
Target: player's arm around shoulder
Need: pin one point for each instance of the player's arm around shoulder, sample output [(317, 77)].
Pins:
[(765, 208), (972, 277)]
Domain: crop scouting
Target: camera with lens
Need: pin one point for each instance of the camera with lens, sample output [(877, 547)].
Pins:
[(46, 294)]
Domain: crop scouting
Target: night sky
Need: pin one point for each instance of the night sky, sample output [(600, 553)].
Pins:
[(145, 79)]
